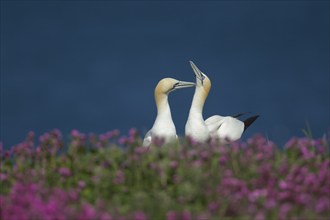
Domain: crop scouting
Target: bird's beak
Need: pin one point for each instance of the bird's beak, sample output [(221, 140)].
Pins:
[(183, 84), (197, 72)]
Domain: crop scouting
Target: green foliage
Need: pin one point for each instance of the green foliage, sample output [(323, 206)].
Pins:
[(238, 180)]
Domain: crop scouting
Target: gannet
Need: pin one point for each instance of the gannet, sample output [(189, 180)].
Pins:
[(223, 128), (163, 127)]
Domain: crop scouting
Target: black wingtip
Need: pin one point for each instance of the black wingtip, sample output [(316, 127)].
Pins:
[(249, 121), (240, 114)]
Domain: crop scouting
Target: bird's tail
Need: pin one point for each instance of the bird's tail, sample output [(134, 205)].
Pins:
[(249, 121)]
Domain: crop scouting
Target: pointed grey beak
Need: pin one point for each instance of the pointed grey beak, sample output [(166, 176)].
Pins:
[(197, 72), (183, 84)]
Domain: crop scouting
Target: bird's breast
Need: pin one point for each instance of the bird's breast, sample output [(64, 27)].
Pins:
[(164, 129)]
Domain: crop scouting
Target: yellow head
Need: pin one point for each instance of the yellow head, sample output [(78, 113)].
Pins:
[(167, 85), (202, 81)]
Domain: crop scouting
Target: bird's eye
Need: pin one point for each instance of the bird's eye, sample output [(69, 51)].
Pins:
[(175, 84)]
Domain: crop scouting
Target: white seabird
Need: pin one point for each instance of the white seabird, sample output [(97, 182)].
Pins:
[(224, 128), (163, 127)]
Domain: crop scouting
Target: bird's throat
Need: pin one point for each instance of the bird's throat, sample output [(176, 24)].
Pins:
[(198, 101), (163, 108)]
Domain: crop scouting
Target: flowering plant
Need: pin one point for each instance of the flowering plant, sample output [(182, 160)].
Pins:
[(110, 176)]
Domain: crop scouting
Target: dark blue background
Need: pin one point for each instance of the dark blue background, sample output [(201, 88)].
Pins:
[(93, 66)]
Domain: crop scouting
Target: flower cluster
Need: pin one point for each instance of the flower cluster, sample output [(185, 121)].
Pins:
[(109, 176)]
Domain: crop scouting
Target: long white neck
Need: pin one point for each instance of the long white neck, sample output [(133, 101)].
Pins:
[(164, 117), (163, 108), (196, 109), (195, 126)]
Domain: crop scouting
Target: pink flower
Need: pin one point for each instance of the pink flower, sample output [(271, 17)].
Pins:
[(213, 206), (64, 171), (123, 140), (81, 184), (171, 215), (133, 132), (322, 205), (256, 194), (283, 196), (157, 141), (106, 216), (139, 216), (103, 137), (205, 155), (140, 150), (203, 216), (260, 216), (252, 208), (73, 195), (38, 150), (260, 156), (223, 160), (270, 203), (119, 177), (75, 133), (115, 133), (186, 215), (197, 163), (291, 143), (303, 199), (56, 133), (174, 164), (283, 184), (88, 213), (306, 153), (191, 141), (3, 176), (284, 209), (310, 179), (44, 137)]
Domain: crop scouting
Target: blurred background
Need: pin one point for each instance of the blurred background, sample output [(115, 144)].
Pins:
[(93, 66)]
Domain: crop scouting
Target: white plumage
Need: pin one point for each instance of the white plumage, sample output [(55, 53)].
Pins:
[(163, 127), (224, 128)]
